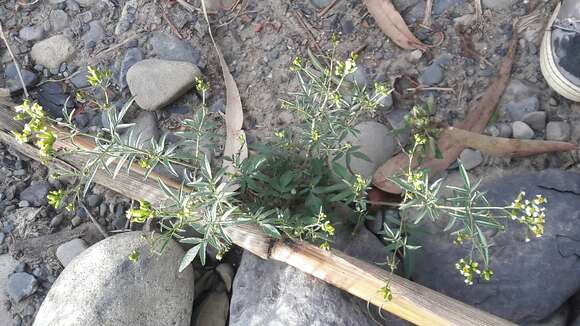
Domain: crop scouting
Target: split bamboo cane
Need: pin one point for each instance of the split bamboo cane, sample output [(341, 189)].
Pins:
[(411, 301)]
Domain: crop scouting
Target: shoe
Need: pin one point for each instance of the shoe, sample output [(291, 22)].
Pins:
[(560, 50)]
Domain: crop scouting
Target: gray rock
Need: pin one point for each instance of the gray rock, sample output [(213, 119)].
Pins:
[(94, 200), (558, 318), (95, 34), (102, 287), (374, 222), (132, 56), (156, 83), (53, 99), (558, 130), (36, 194), (67, 251), (519, 108), (87, 3), (505, 130), (58, 20), (56, 2), (72, 6), (169, 47), (376, 142), (471, 158), (359, 77), (432, 75), (76, 221), (514, 292), (13, 81), (79, 80), (226, 272), (119, 222), (21, 285), (31, 33), (7, 265), (536, 120), (56, 221), (144, 130), (320, 3), (522, 130), (439, 7), (213, 310), (52, 51), (205, 283), (497, 4), (2, 237), (23, 203), (127, 17), (270, 293)]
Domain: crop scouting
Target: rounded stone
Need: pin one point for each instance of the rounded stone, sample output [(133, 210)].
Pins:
[(52, 51), (376, 141), (156, 83), (522, 130), (102, 286)]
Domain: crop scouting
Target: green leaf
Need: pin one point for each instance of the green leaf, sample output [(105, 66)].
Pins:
[(189, 257), (341, 196), (202, 247), (313, 203), (341, 171), (464, 175), (271, 231)]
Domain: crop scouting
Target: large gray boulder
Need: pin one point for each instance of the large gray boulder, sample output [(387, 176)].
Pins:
[(156, 83), (270, 293), (532, 280), (103, 287)]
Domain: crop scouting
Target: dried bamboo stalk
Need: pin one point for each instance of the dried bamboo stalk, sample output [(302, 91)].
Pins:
[(411, 301)]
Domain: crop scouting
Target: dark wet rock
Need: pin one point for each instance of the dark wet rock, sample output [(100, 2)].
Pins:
[(13, 81), (520, 268), (21, 285), (53, 99), (169, 47), (36, 194)]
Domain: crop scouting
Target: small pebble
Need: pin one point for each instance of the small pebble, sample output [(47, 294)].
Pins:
[(522, 131), (558, 131), (2, 237), (471, 158), (56, 221), (536, 120), (76, 221), (23, 203)]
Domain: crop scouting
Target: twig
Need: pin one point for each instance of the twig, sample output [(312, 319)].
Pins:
[(308, 30), (168, 20), (424, 89), (188, 6), (427, 18), (58, 80), (116, 46), (99, 227), (478, 11), (360, 49), (327, 8), (14, 60)]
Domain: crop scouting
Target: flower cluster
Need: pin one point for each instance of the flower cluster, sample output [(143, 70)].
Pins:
[(36, 129), (531, 213), (416, 179), (142, 214), (347, 67), (469, 269), (97, 76), (56, 199)]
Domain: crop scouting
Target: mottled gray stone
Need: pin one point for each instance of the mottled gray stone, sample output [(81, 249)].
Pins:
[(52, 51), (102, 287), (156, 83)]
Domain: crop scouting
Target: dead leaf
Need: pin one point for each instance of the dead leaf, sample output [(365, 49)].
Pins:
[(497, 146), (392, 24), (476, 121), (235, 137)]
